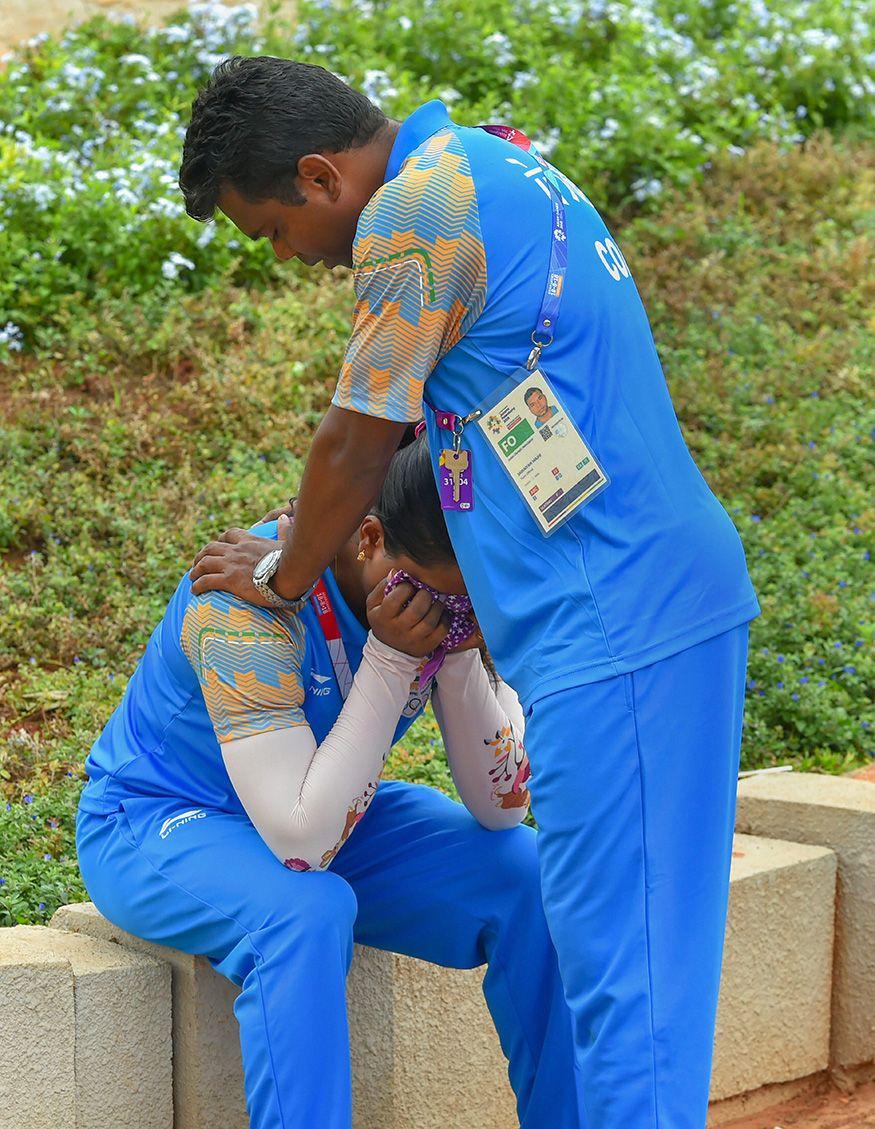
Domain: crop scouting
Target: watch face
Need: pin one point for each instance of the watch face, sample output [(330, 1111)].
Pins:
[(265, 566)]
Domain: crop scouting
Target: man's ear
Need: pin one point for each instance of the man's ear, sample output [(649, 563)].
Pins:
[(371, 536), (316, 174)]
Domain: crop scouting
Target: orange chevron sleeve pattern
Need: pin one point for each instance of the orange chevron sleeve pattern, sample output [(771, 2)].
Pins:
[(248, 662), (420, 281)]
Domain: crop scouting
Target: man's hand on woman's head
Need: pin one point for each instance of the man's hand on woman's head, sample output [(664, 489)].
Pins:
[(408, 620)]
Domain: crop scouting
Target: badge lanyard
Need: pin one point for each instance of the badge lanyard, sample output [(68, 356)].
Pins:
[(322, 605), (456, 467)]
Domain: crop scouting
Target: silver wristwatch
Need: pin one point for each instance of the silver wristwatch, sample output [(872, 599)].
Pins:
[(264, 571)]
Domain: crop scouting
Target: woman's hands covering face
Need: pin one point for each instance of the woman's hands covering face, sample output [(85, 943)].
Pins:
[(415, 627)]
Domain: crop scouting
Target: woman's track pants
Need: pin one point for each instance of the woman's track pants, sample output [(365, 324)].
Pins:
[(633, 787), (417, 876)]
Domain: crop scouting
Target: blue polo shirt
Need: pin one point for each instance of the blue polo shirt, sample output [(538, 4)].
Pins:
[(451, 257), (217, 669)]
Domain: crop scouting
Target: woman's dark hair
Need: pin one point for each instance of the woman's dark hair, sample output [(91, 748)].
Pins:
[(256, 118), (410, 510)]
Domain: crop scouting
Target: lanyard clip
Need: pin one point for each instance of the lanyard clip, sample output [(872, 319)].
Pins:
[(449, 421), (535, 355), (460, 425)]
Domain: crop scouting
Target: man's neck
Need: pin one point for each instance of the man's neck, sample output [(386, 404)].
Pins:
[(377, 152)]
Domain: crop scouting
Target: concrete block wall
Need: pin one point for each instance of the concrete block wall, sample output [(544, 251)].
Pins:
[(37, 1037), (425, 1052), (85, 1026), (837, 812), (774, 1010), (422, 1040), (424, 1049)]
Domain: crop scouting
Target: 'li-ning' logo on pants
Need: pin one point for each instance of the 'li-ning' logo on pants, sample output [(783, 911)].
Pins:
[(177, 821)]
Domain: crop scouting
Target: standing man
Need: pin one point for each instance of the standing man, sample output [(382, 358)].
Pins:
[(609, 583)]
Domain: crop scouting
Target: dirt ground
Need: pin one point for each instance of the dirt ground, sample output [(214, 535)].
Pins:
[(21, 19), (830, 1110)]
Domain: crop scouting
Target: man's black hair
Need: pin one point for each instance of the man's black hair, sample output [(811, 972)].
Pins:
[(529, 391), (410, 510), (256, 118)]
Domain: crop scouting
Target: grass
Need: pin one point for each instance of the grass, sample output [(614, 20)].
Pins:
[(155, 427)]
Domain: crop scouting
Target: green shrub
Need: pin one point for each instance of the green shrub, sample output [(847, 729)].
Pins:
[(89, 155), (628, 96), (38, 869)]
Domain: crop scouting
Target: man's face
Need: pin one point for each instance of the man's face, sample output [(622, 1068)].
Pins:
[(537, 402), (321, 229)]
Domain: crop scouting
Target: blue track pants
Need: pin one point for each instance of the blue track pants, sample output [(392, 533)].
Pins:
[(418, 876), (633, 787)]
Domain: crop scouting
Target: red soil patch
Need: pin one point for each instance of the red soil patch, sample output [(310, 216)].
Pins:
[(830, 1110)]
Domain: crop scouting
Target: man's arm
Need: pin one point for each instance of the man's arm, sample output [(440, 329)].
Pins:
[(345, 470)]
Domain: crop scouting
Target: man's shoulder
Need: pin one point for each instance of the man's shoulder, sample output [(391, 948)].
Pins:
[(433, 190)]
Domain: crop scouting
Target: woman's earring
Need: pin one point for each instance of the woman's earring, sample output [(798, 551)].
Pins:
[(361, 555)]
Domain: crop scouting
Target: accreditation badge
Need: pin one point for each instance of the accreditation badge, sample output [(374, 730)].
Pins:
[(540, 448)]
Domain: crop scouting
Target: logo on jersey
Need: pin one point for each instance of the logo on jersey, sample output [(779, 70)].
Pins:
[(555, 287), (178, 820), (322, 687)]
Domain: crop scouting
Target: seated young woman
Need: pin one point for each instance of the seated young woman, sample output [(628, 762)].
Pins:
[(234, 809)]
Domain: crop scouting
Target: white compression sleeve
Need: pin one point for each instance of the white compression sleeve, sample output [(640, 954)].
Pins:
[(484, 748), (304, 801)]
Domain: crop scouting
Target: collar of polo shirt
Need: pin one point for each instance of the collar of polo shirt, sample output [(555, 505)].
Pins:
[(421, 124)]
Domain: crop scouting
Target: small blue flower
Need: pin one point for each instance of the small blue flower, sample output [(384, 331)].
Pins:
[(47, 858), (770, 399), (795, 697), (804, 679), (815, 395), (42, 905), (755, 517), (780, 658), (865, 724), (850, 670), (820, 662), (811, 443), (780, 685), (821, 683), (2, 881), (843, 584), (838, 646), (28, 799)]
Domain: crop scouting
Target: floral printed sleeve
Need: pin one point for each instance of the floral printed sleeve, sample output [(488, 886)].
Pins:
[(483, 735)]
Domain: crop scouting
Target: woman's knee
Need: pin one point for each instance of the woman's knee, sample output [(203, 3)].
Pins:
[(315, 906)]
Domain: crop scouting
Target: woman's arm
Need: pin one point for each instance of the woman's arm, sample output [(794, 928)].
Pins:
[(484, 741), (303, 799)]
